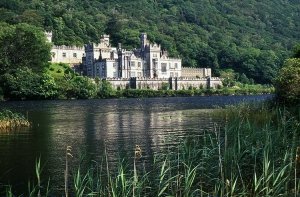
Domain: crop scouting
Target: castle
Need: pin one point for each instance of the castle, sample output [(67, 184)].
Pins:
[(148, 62)]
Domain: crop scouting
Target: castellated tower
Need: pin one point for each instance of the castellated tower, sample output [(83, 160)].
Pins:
[(143, 40), (49, 36), (104, 39)]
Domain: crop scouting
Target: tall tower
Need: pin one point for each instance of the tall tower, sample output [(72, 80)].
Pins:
[(49, 36), (143, 40)]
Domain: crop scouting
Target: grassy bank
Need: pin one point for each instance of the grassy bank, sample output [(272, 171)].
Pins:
[(8, 120), (254, 152)]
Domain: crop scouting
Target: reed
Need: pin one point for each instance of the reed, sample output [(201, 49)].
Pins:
[(66, 174), (254, 151), (8, 119), (34, 190)]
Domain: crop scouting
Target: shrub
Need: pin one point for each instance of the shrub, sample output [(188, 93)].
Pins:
[(201, 86), (287, 89), (165, 86)]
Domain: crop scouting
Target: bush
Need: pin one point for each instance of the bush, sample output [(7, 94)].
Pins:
[(287, 89), (201, 86), (165, 86)]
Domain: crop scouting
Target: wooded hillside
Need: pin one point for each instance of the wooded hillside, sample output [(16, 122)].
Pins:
[(252, 37)]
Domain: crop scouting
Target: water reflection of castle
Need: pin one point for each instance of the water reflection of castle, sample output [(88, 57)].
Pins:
[(147, 62)]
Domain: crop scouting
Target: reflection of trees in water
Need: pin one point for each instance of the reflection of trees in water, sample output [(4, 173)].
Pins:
[(91, 125)]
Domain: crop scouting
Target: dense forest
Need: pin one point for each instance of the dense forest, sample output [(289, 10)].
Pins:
[(249, 39)]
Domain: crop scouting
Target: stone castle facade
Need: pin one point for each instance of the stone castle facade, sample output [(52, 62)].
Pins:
[(148, 65), (71, 55), (149, 60)]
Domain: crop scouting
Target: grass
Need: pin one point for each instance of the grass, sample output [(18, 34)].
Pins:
[(58, 69), (253, 152), (8, 119)]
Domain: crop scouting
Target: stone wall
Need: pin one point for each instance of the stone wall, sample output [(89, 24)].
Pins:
[(66, 54), (186, 83), (193, 72), (214, 82), (156, 83)]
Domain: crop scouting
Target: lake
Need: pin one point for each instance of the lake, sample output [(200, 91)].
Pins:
[(91, 125)]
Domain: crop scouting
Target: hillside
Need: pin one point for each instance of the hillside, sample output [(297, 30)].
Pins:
[(251, 37)]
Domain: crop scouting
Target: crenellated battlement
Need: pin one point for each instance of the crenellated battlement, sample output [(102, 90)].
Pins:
[(154, 46), (193, 72), (192, 68), (215, 78), (170, 58), (48, 33), (191, 79), (64, 47)]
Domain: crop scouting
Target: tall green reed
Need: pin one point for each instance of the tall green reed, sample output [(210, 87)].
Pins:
[(254, 151)]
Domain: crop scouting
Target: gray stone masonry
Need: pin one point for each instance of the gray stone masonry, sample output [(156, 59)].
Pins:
[(156, 83)]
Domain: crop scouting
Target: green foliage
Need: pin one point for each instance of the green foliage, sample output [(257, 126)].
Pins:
[(201, 87), (244, 79), (105, 89), (97, 80), (165, 86), (59, 70), (250, 37), (229, 77), (287, 83), (23, 45), (75, 87), (83, 88), (229, 159), (25, 84), (295, 53), (9, 119)]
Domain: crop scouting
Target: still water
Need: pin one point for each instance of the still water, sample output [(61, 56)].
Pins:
[(91, 125)]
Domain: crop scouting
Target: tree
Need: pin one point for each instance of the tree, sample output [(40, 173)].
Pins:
[(287, 89), (229, 77), (23, 45), (105, 89), (207, 58), (295, 53), (269, 65), (249, 64), (22, 83), (32, 17), (229, 57), (83, 88)]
